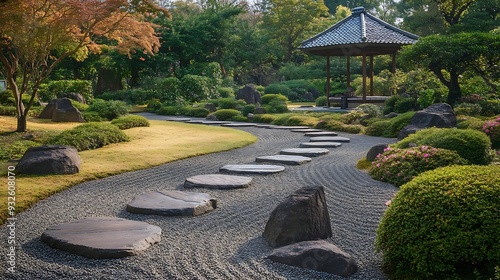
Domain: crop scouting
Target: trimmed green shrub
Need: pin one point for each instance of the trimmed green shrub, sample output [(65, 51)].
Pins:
[(168, 110), (264, 118), (470, 123), (108, 109), (226, 92), (378, 128), (197, 112), (492, 129), (195, 88), (92, 117), (277, 89), (227, 103), (404, 105), (239, 119), (398, 166), (226, 114), (371, 110), (90, 136), (276, 106), (321, 101), (443, 224), (126, 122), (468, 109), (298, 120), (490, 107), (247, 109), (389, 128), (335, 125), (268, 98), (154, 105), (471, 145), (57, 89), (8, 110), (7, 98), (80, 106)]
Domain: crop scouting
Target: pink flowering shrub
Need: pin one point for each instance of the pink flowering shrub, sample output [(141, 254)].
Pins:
[(492, 129), (398, 166)]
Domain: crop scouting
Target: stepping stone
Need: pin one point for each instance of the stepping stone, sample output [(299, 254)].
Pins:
[(174, 119), (214, 122), (307, 152), (265, 126), (102, 237), (172, 203), (217, 181), (329, 139), (238, 124), (252, 169), (320, 145), (291, 127), (321, 133), (284, 159), (306, 130), (195, 121)]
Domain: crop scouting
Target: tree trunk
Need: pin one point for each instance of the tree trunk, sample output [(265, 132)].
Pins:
[(454, 93), (21, 123)]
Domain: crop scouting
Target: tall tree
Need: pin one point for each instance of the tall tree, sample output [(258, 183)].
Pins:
[(36, 35), (290, 21)]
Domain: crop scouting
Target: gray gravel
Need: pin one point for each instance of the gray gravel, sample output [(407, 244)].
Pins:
[(223, 244)]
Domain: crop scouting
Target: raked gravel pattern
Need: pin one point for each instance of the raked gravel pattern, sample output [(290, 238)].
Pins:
[(226, 243)]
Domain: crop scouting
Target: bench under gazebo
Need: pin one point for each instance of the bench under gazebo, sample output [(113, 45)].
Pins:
[(360, 34)]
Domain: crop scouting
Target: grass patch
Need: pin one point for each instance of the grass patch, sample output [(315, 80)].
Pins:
[(158, 144), (363, 164)]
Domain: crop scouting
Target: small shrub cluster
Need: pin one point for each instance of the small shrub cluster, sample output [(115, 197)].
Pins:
[(336, 125), (89, 116), (398, 166), (399, 104), (444, 224), (389, 128), (57, 89), (492, 129), (15, 144), (126, 122), (247, 109), (90, 136), (226, 114), (197, 112), (321, 101), (268, 98), (264, 118), (108, 109), (470, 123), (467, 109)]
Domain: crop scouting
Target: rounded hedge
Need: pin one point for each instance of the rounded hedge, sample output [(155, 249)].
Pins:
[(443, 224), (108, 109), (90, 136), (492, 129), (399, 166), (471, 145), (226, 114), (130, 121), (268, 98)]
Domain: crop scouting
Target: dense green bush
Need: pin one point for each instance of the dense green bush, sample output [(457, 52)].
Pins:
[(90, 136), (129, 121), (108, 109), (168, 110), (389, 128), (166, 90), (296, 120), (247, 109), (89, 116), (8, 110), (138, 96), (443, 224), (57, 89), (268, 98), (492, 129), (490, 107), (321, 101), (227, 103), (276, 106), (399, 104), (81, 107), (154, 105), (398, 166), (196, 88), (470, 123), (197, 112), (335, 125), (468, 109), (226, 114), (7, 98), (371, 110), (264, 118), (226, 92), (277, 89), (471, 145)]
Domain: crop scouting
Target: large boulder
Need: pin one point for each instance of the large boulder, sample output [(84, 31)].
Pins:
[(61, 110), (436, 115), (50, 160), (316, 255), (302, 216), (249, 94), (374, 151), (75, 96)]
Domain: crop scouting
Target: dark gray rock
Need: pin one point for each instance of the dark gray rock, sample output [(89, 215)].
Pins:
[(211, 107), (260, 110), (217, 181), (249, 94), (284, 159), (102, 237), (61, 110), (45, 160), (436, 115), (316, 255), (75, 96), (302, 216), (211, 117), (375, 151), (172, 203), (391, 115), (252, 169)]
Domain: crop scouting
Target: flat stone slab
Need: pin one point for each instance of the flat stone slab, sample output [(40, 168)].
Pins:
[(172, 203), (284, 159), (321, 133), (307, 152), (214, 122), (217, 181), (329, 139), (238, 124), (290, 127), (264, 125), (307, 130), (102, 237), (178, 119), (320, 145), (252, 169), (195, 121)]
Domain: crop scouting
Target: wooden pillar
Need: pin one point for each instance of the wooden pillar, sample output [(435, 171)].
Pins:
[(393, 65), (348, 74), (328, 81), (364, 77), (371, 75)]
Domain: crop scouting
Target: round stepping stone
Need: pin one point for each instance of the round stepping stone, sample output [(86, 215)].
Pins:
[(102, 237), (172, 203), (284, 159), (238, 124), (329, 139), (321, 133), (307, 152), (320, 145), (252, 169), (217, 181), (306, 130)]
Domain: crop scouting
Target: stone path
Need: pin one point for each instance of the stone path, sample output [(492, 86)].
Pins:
[(330, 139), (217, 181), (320, 145), (227, 243), (252, 169), (307, 152), (284, 159)]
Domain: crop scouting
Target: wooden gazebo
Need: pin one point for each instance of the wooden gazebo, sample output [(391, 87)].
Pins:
[(360, 34)]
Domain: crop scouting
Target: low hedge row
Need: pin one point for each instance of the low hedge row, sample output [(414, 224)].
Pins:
[(90, 136)]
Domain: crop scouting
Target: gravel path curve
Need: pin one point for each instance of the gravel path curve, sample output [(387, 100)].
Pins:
[(223, 244)]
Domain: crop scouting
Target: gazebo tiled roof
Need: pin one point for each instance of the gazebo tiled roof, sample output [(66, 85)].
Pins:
[(358, 33)]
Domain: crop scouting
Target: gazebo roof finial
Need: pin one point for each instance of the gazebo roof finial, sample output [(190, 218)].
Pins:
[(358, 10)]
